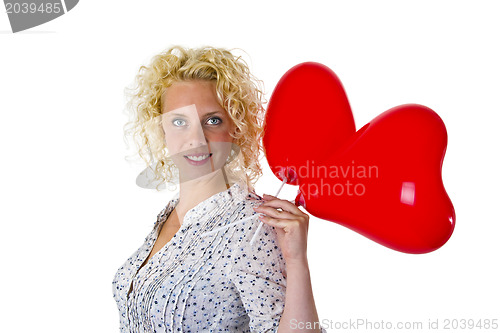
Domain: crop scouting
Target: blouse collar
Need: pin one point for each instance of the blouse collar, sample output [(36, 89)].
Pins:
[(237, 192)]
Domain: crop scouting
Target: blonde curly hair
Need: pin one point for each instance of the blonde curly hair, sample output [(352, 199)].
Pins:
[(238, 91)]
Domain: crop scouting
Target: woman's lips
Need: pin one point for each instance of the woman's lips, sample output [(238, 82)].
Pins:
[(198, 159)]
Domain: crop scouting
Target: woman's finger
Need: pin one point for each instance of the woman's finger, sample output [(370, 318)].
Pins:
[(285, 205), (274, 222), (268, 197), (273, 212)]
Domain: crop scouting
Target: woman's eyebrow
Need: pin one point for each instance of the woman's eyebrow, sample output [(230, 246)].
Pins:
[(173, 114), (176, 114), (212, 113)]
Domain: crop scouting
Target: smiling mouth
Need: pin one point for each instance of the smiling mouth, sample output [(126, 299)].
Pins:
[(198, 157)]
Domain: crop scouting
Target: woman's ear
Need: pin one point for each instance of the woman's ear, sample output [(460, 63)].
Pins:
[(234, 131)]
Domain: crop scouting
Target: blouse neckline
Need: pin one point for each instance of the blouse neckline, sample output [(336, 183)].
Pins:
[(237, 191)]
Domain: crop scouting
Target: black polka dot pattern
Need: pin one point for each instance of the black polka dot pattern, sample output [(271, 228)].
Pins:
[(205, 283)]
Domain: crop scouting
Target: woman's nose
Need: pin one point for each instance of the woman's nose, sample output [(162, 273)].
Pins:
[(196, 137)]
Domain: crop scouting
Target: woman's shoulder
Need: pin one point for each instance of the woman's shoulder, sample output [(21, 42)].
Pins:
[(165, 211), (253, 247), (250, 232), (252, 200), (248, 194)]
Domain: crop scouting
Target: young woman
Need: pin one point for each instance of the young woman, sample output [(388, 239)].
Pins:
[(203, 268)]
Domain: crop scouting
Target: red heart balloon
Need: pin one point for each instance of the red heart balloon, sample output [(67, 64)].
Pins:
[(308, 105), (385, 182)]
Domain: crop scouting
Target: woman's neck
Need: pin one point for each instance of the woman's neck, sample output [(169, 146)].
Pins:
[(194, 191)]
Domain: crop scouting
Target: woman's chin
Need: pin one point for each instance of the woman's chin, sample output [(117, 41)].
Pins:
[(188, 174)]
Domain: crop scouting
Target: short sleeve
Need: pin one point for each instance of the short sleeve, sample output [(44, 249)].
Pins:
[(257, 272)]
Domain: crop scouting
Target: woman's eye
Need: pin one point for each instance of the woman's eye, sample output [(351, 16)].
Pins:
[(214, 121), (179, 122)]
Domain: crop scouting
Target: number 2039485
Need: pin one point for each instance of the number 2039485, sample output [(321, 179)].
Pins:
[(468, 324), (31, 7)]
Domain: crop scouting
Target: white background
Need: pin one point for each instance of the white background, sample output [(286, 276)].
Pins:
[(71, 212)]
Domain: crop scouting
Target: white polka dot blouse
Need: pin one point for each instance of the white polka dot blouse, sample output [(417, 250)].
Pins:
[(198, 282)]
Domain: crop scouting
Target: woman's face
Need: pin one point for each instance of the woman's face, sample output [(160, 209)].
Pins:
[(196, 127)]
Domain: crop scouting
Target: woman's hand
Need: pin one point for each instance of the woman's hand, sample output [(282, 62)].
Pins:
[(291, 226)]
